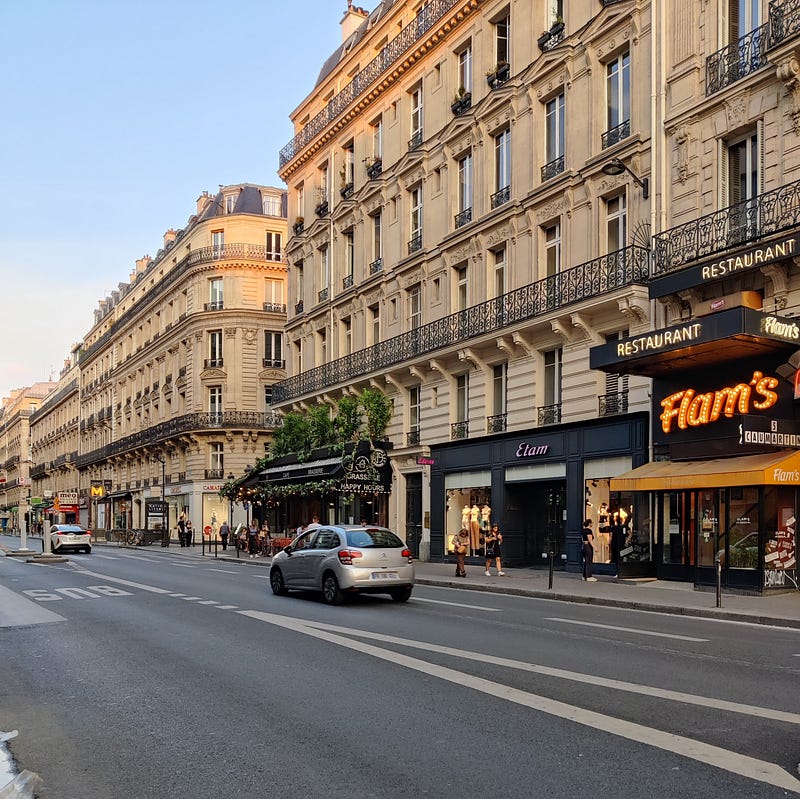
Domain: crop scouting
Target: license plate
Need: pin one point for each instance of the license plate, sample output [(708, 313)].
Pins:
[(384, 575)]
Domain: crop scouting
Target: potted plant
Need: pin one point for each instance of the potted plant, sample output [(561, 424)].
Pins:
[(461, 102), (498, 74)]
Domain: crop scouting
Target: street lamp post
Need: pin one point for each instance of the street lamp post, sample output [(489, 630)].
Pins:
[(164, 517)]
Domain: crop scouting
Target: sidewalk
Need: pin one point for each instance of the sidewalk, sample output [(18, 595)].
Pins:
[(653, 595)]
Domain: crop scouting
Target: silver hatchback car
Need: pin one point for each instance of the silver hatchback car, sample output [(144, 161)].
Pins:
[(342, 559)]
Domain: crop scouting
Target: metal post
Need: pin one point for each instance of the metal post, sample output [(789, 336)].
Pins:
[(719, 581), (552, 555)]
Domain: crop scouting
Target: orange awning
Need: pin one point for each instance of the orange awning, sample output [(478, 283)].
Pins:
[(773, 468)]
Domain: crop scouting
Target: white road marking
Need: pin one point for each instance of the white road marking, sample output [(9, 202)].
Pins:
[(139, 557), (192, 598), (261, 576), (183, 565), (222, 571), (227, 607), (734, 762), (106, 557), (457, 604), (629, 630), (208, 602)]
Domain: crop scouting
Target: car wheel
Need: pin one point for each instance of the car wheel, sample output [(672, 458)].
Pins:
[(401, 594), (331, 592), (276, 583)]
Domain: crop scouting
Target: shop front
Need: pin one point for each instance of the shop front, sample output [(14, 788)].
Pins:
[(722, 488), (539, 486)]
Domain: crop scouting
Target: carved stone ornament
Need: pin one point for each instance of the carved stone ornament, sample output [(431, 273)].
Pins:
[(736, 110), (788, 72), (411, 278), (496, 236), (552, 209), (213, 374), (682, 144), (249, 335)]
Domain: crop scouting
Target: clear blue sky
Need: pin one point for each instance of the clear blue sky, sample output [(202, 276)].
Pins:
[(116, 115)]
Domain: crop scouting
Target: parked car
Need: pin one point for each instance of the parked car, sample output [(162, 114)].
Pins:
[(342, 559), (70, 538)]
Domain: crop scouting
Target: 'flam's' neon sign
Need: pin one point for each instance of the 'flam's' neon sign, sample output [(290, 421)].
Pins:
[(693, 410)]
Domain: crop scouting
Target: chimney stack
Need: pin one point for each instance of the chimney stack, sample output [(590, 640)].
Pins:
[(352, 18)]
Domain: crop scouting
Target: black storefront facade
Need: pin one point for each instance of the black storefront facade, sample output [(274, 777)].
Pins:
[(723, 484), (538, 486), (338, 486)]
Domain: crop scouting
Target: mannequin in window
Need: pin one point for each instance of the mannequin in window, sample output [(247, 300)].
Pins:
[(465, 517), (474, 527), (486, 513)]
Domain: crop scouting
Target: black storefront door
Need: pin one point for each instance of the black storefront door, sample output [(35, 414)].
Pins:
[(538, 508), (413, 512)]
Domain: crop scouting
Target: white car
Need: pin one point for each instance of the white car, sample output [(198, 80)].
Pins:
[(339, 560), (70, 538)]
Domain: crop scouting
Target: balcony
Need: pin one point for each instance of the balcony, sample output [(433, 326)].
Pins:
[(374, 168), (749, 221), (412, 438), (347, 282), (784, 21), (463, 217), (548, 414), (298, 226), (415, 244), (617, 134), (215, 474), (376, 266), (322, 295), (275, 307), (321, 209), (553, 168), (346, 192), (610, 272), (459, 431), (612, 404), (298, 308), (549, 40), (497, 423), (213, 363), (415, 141), (461, 104), (218, 305), (737, 60), (392, 52), (500, 197), (273, 363), (499, 75)]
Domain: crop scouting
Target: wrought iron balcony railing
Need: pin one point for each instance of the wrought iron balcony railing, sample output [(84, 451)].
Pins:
[(374, 168), (737, 60), (347, 282), (497, 423), (498, 76), (552, 38), (464, 217), (412, 438), (415, 141), (500, 197), (617, 134), (215, 474), (415, 244), (191, 422), (784, 20), (612, 404), (214, 306), (321, 208), (462, 104), (607, 273), (553, 168), (322, 295), (549, 414), (376, 266), (213, 363), (769, 213), (275, 307), (274, 363), (369, 73), (298, 227), (346, 192), (459, 430), (298, 308)]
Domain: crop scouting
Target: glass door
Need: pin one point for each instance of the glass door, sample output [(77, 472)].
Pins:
[(711, 535), (678, 523)]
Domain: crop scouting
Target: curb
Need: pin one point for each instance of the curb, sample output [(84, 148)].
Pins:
[(674, 610)]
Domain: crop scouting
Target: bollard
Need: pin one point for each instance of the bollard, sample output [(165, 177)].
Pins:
[(719, 582), (551, 566)]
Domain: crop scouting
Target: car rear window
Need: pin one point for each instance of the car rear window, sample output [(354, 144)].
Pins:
[(373, 538), (70, 528)]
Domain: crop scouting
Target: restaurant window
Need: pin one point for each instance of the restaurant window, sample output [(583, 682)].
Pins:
[(621, 526)]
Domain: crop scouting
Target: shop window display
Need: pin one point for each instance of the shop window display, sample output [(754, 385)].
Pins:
[(470, 508), (622, 530)]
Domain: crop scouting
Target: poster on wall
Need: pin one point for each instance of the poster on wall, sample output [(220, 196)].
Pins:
[(780, 562)]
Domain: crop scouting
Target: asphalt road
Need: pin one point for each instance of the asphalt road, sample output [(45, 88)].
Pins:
[(134, 675)]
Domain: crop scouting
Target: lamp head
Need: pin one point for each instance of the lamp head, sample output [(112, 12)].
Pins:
[(613, 167)]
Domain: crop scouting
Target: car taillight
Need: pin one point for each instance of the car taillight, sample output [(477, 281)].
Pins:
[(61, 532), (406, 553), (346, 556)]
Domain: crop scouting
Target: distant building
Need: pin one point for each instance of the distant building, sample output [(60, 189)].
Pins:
[(176, 374)]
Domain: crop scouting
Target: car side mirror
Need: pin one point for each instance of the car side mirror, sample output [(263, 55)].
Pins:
[(288, 549)]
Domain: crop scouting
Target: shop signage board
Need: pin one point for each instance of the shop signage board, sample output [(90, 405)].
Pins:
[(784, 433), (422, 461)]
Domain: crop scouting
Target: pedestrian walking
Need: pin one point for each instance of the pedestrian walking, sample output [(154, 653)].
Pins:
[(252, 538), (460, 547), (189, 533), (492, 542), (182, 530), (224, 532), (587, 547)]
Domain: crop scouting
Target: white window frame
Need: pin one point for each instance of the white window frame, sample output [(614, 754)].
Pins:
[(502, 159), (618, 90), (554, 128)]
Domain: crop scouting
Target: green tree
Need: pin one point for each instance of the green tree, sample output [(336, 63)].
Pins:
[(320, 426), (293, 436), (378, 410), (348, 419)]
